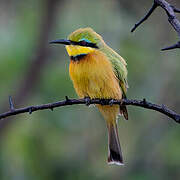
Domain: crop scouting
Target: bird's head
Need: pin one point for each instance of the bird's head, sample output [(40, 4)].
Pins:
[(81, 42)]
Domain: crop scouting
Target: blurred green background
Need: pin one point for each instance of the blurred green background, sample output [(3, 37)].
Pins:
[(71, 142)]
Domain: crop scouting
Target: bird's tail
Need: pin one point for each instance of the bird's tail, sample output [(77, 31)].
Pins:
[(114, 148)]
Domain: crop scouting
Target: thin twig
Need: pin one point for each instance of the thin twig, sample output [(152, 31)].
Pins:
[(176, 10), (141, 103), (154, 6), (170, 11), (175, 46)]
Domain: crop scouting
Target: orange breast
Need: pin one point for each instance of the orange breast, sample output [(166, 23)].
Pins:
[(93, 76)]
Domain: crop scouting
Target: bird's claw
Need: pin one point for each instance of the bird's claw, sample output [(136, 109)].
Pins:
[(111, 102), (87, 101)]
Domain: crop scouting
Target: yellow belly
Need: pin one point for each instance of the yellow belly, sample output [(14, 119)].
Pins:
[(93, 76)]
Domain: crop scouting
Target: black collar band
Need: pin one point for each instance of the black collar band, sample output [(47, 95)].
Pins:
[(78, 57)]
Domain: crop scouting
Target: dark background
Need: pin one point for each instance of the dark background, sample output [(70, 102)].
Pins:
[(71, 142)]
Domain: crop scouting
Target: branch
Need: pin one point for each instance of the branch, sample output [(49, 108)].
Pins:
[(141, 103), (170, 11)]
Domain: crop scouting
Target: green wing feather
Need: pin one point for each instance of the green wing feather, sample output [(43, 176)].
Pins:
[(119, 66)]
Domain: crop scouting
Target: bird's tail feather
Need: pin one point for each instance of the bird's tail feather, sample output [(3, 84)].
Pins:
[(123, 111), (114, 149)]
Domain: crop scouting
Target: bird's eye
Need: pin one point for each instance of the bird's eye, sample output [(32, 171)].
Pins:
[(83, 43), (87, 43)]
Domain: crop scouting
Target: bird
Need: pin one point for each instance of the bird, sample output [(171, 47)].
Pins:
[(97, 71)]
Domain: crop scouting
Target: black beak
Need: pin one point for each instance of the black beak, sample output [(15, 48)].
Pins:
[(69, 42), (61, 41)]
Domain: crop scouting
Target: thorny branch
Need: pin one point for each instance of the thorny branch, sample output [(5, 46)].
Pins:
[(141, 103), (170, 11)]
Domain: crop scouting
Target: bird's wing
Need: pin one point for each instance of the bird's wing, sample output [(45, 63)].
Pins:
[(119, 66)]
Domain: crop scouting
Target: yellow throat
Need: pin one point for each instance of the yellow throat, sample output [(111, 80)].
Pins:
[(78, 50)]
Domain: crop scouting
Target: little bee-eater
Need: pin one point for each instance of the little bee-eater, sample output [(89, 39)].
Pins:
[(98, 72)]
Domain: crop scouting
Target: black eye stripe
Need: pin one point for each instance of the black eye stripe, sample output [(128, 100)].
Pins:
[(84, 43)]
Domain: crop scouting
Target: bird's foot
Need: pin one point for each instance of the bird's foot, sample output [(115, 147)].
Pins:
[(111, 102), (87, 101)]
